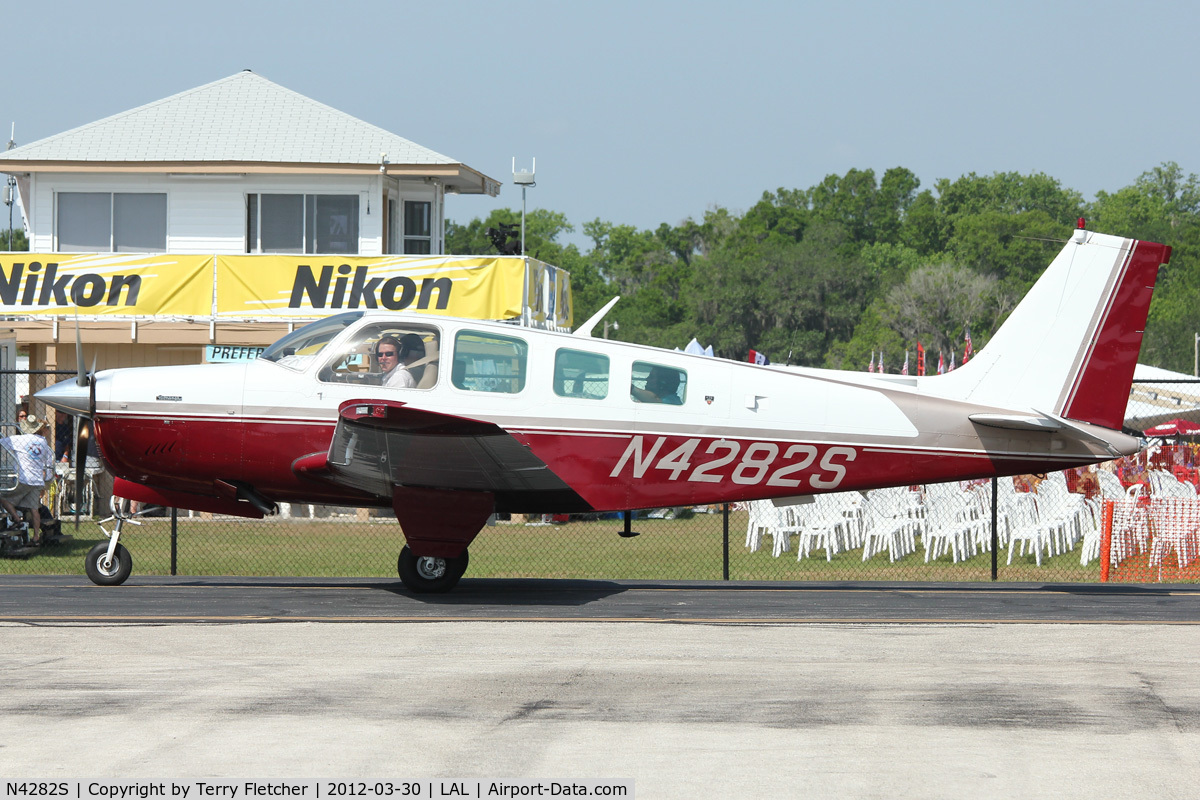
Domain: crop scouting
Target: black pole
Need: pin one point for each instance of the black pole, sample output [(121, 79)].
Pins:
[(995, 534), (627, 532), (174, 538), (725, 532)]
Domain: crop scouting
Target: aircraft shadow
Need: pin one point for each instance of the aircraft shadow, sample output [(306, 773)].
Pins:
[(515, 592)]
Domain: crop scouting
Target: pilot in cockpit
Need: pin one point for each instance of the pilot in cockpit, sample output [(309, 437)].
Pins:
[(395, 356)]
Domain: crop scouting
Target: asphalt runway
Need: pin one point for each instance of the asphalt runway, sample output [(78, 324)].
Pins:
[(682, 689), (42, 599)]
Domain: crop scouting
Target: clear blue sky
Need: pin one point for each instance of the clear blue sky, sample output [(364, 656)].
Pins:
[(648, 112)]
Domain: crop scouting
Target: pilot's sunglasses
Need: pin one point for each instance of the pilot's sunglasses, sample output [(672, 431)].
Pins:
[(389, 354)]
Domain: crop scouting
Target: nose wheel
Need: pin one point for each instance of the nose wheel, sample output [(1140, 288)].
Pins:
[(107, 569), (430, 574), (109, 563)]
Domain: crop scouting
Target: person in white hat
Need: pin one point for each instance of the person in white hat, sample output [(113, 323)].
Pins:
[(35, 465)]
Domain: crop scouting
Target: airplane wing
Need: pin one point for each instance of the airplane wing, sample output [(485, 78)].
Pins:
[(383, 444)]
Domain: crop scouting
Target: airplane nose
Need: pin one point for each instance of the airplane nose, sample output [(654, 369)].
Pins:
[(68, 396)]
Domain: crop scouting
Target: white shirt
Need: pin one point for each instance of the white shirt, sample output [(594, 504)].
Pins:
[(35, 457), (399, 378)]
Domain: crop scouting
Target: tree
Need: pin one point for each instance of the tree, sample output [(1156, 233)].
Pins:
[(937, 302), (1162, 205), (781, 297), (19, 241), (542, 229), (1016, 247), (1009, 193)]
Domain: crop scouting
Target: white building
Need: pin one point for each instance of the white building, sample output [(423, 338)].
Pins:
[(240, 165)]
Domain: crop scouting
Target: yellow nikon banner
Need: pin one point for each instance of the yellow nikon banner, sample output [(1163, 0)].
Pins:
[(114, 284), (263, 287)]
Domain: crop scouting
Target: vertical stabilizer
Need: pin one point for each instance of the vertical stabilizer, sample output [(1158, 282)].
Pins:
[(1071, 345)]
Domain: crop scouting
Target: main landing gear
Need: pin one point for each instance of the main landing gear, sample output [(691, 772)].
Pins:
[(437, 521), (109, 563), (430, 574)]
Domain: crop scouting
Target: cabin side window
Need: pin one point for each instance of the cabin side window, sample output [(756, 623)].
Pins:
[(396, 356), (486, 362), (655, 383), (299, 348), (580, 374)]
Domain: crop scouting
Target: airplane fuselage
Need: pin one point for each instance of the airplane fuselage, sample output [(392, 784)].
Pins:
[(739, 431)]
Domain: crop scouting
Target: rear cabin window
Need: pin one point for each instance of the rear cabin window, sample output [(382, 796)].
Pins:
[(486, 362), (580, 374), (655, 383)]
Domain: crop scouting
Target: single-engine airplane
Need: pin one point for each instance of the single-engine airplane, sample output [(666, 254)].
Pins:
[(499, 418)]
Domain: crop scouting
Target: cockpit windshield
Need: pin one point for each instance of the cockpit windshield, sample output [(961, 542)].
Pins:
[(298, 349)]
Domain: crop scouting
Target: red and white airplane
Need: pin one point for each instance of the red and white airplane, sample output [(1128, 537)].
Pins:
[(509, 419)]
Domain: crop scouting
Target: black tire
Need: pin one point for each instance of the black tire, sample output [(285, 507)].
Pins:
[(103, 574), (430, 574)]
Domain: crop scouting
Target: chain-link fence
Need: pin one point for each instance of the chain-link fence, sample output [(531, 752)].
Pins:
[(1055, 527)]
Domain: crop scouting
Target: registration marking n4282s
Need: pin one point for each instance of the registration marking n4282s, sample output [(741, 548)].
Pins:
[(759, 462)]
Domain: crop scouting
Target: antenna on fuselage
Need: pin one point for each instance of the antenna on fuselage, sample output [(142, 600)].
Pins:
[(585, 330)]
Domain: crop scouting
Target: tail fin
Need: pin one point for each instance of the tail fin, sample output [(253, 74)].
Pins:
[(1071, 345)]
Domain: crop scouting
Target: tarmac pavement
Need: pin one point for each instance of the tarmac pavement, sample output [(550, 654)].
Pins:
[(720, 708)]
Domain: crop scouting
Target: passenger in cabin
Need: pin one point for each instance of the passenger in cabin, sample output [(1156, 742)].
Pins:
[(395, 356), (662, 386)]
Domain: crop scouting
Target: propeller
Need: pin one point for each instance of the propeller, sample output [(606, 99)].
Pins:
[(83, 435)]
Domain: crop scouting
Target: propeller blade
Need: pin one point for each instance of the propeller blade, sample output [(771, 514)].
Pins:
[(81, 378), (81, 451)]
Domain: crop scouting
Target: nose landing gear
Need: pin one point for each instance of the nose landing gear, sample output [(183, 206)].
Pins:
[(109, 563)]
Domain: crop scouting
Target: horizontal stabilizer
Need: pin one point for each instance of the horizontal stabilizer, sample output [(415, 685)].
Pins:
[(1015, 422)]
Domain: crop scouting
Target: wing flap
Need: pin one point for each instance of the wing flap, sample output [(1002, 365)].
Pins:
[(379, 445)]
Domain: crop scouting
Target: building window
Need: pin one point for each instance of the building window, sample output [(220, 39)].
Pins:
[(112, 222), (302, 223), (418, 227)]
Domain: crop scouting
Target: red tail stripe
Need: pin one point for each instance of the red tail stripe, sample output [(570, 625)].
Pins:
[(1101, 389)]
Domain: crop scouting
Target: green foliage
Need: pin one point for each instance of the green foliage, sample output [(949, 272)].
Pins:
[(1163, 205), (1008, 193), (19, 240), (854, 264), (542, 229), (780, 298), (936, 303), (1015, 248)]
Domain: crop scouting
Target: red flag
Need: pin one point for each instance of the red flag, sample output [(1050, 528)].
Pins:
[(941, 363), (920, 359), (758, 358), (968, 350)]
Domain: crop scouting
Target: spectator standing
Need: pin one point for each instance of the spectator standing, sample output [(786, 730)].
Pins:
[(35, 465)]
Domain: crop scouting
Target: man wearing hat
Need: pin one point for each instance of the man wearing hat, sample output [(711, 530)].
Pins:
[(35, 464)]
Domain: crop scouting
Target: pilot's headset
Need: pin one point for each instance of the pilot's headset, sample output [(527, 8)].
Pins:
[(410, 343)]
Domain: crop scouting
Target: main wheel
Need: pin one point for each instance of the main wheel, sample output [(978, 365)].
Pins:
[(106, 573), (429, 574)]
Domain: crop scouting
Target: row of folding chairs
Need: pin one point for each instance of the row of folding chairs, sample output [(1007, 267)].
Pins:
[(944, 518)]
